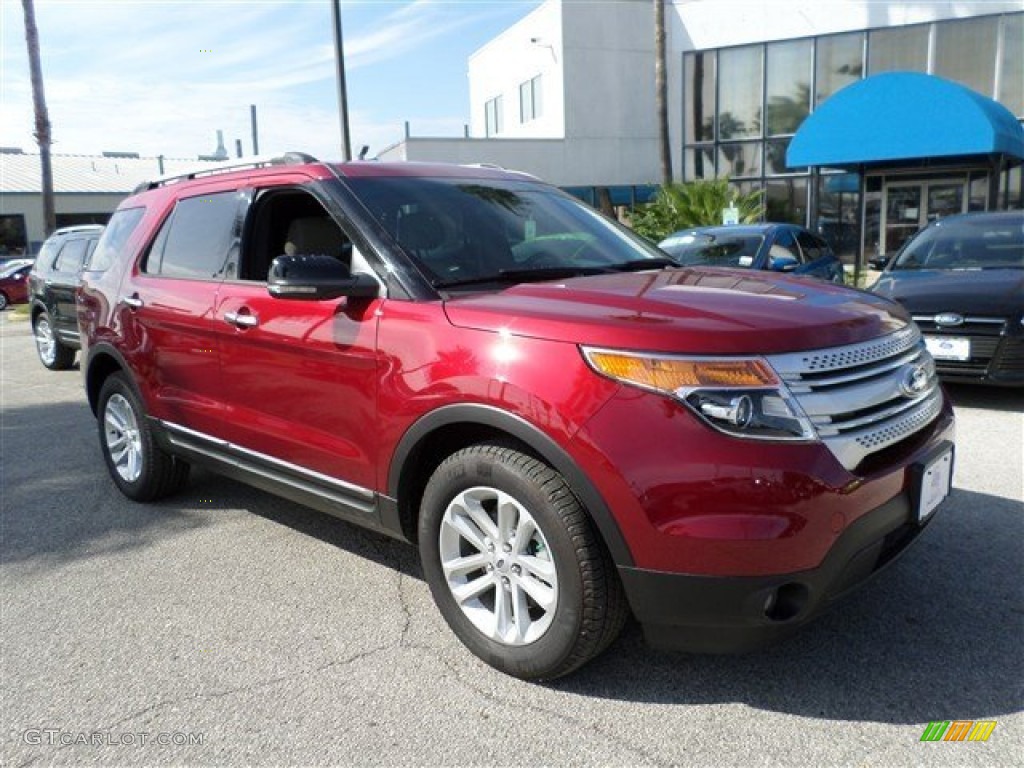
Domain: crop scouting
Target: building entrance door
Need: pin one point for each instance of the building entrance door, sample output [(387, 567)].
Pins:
[(907, 206)]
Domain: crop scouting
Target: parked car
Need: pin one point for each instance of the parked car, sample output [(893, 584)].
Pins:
[(775, 247), (567, 425), (962, 280), (13, 282), (51, 286)]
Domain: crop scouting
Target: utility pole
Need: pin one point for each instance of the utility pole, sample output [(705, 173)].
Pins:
[(661, 91), (42, 133), (339, 55)]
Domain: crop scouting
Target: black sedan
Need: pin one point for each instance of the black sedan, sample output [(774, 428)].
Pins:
[(962, 280), (776, 247)]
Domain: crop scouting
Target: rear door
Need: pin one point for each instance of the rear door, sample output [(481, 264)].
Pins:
[(60, 286), (167, 308), (299, 377)]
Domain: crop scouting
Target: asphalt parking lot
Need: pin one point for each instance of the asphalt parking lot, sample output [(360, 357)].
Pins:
[(228, 627)]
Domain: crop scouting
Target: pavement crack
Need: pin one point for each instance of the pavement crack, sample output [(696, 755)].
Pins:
[(584, 726), (406, 612)]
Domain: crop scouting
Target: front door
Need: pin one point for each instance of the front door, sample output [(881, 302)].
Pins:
[(908, 206), (300, 376)]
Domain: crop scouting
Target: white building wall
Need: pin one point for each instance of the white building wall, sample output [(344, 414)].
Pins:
[(530, 47), (599, 76), (700, 24)]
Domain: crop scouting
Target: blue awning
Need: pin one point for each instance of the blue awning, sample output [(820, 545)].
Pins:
[(904, 116)]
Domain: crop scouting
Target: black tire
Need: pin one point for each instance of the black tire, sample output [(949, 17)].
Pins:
[(52, 353), (3, 301), (589, 606), (138, 466)]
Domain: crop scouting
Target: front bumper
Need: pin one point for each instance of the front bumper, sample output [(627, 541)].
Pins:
[(716, 614)]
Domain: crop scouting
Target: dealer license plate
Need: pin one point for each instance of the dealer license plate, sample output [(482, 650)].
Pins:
[(949, 347), (935, 483)]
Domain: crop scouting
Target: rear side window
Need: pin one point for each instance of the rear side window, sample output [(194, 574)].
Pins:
[(194, 242), (114, 238), (71, 256)]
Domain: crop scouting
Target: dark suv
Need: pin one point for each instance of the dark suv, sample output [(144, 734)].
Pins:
[(569, 426), (51, 291)]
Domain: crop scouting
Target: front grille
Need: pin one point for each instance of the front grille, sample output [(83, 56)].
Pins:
[(992, 351), (857, 396)]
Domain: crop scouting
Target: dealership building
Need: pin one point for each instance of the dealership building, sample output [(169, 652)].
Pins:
[(860, 119)]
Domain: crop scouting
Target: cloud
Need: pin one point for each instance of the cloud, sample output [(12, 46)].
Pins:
[(160, 78)]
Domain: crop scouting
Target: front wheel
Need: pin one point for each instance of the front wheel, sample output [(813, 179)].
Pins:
[(3, 301), (52, 354), (514, 564), (139, 467)]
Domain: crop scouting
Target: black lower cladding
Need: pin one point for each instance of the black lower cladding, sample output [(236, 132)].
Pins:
[(719, 614)]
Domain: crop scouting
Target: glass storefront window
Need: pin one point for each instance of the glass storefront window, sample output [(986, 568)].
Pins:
[(786, 200), (788, 85), (739, 92), (838, 211), (775, 158), (963, 52), (840, 62), (739, 159), (1011, 73), (699, 163), (898, 48), (699, 95), (977, 197)]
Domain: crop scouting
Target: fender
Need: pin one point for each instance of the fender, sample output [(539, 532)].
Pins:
[(542, 444), (104, 348)]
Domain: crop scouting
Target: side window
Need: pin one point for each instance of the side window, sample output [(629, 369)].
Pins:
[(289, 221), (114, 238), (812, 247), (784, 245), (195, 240), (71, 256)]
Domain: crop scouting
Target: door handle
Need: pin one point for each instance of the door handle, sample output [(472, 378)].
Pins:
[(240, 320), (133, 301)]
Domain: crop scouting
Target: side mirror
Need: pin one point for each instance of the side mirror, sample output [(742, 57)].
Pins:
[(317, 277), (880, 262), (783, 263)]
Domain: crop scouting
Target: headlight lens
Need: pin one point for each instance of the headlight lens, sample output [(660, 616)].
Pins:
[(739, 396)]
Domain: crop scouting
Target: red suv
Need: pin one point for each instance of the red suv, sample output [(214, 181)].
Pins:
[(569, 426)]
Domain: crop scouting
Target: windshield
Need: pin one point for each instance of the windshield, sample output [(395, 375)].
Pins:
[(470, 231), (713, 250), (966, 244)]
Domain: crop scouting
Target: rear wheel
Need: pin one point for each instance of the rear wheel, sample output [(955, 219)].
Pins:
[(515, 565), (52, 354), (3, 301), (139, 467)]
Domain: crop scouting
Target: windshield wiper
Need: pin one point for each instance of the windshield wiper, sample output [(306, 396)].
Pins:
[(638, 265), (525, 276), (557, 273)]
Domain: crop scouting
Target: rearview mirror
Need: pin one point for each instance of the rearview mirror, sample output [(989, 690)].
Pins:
[(317, 277)]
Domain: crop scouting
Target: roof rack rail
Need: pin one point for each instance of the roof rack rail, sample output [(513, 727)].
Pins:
[(257, 161)]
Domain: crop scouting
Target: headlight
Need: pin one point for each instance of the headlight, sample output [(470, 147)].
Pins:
[(739, 396)]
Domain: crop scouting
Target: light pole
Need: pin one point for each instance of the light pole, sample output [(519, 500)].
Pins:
[(339, 56)]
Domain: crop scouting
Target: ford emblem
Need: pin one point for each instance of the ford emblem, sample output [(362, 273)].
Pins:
[(914, 380), (948, 319)]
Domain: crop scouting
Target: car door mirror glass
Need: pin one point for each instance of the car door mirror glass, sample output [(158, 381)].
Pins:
[(317, 277)]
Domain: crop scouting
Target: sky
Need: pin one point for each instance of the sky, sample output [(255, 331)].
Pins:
[(159, 78)]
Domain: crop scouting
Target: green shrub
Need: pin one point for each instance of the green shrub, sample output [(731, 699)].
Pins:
[(694, 204)]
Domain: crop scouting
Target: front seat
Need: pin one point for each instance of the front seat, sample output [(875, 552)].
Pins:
[(316, 234)]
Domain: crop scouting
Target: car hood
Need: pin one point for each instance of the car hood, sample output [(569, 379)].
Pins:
[(988, 292), (696, 311)]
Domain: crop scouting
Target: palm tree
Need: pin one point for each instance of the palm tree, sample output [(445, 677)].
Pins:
[(661, 91), (42, 132)]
